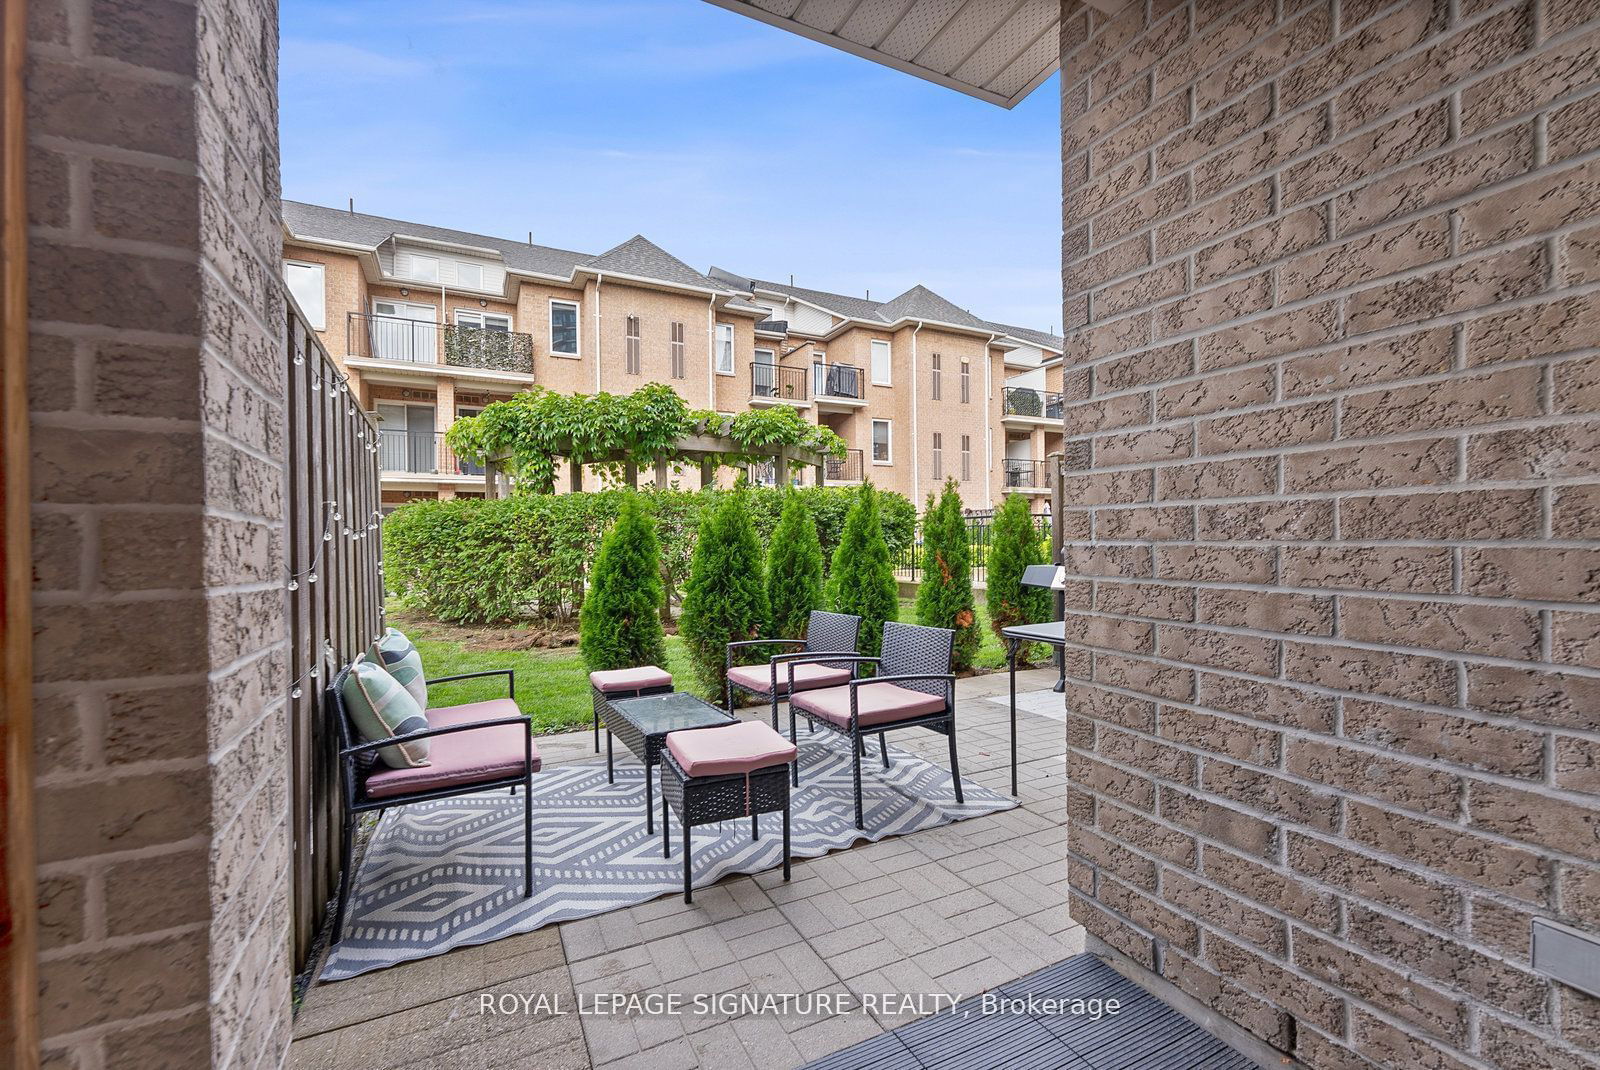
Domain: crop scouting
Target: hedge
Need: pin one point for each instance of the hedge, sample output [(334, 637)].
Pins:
[(491, 561)]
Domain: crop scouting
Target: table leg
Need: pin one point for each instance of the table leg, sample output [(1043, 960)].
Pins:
[(1011, 666), (649, 797), (611, 771)]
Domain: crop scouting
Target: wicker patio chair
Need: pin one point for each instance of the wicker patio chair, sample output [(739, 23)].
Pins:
[(478, 746), (784, 674), (913, 688)]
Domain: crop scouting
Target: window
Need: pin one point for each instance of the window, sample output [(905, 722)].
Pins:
[(966, 456), (966, 380), (880, 363), (938, 456), (422, 268), (307, 283), (724, 349), (938, 376), (469, 276), (564, 328), (488, 321), (881, 453), (631, 351), (676, 349)]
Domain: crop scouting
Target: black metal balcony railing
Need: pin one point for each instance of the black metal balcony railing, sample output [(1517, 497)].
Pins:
[(777, 381), (836, 381), (426, 342), (1026, 401), (848, 470), (1022, 473), (421, 453)]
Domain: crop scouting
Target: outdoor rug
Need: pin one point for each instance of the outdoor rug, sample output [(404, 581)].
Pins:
[(447, 874)]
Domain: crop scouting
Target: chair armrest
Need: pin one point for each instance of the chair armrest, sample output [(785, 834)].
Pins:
[(767, 642), (497, 722), (814, 656), (947, 677), (509, 674)]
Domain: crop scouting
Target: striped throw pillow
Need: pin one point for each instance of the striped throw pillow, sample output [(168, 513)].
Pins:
[(399, 655), (380, 707)]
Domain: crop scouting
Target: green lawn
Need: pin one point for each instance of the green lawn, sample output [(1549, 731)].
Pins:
[(553, 685)]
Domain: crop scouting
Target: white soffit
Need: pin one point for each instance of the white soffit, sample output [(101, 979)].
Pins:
[(995, 50)]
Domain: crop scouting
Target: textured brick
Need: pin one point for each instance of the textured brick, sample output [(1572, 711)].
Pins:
[(1237, 829), (1436, 179), (1217, 564), (1248, 386), (1459, 740), (1400, 887), (1534, 330), (1151, 837), (1296, 425), (1570, 449), (1464, 516), (1408, 569), (1358, 772), (1558, 575), (1411, 463), (1297, 613), (1543, 204), (1284, 892), (1417, 1003), (1449, 850), (1222, 995), (1575, 512), (1398, 31), (1270, 336), (1269, 55), (1364, 259), (1267, 702), (1361, 157), (1306, 999), (1500, 631), (1281, 520), (1381, 672), (1453, 403), (1532, 818), (1546, 76), (1242, 478), (1407, 357)]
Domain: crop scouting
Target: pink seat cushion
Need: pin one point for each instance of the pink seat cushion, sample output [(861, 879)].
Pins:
[(875, 704), (461, 757), (736, 748), (609, 681), (807, 675)]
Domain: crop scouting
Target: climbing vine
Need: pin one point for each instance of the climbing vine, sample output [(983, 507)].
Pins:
[(531, 430)]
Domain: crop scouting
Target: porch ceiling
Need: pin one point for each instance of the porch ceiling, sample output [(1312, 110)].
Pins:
[(995, 50)]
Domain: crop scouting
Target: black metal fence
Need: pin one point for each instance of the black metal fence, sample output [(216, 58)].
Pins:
[(836, 381), (1024, 474), (848, 470), (421, 453), (426, 342), (778, 381), (335, 593), (1026, 401), (980, 528)]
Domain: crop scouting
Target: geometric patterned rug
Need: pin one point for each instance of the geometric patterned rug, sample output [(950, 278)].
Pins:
[(447, 874)]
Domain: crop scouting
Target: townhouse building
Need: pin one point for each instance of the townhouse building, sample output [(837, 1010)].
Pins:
[(433, 324)]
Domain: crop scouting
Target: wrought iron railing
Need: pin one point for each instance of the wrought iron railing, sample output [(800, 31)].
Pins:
[(777, 381), (425, 342), (848, 470), (1024, 473), (421, 453), (980, 527), (1026, 401), (836, 381)]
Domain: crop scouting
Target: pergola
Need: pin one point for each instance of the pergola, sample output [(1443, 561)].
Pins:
[(699, 448)]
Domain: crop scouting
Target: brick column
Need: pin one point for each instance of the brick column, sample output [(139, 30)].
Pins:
[(157, 374), (1331, 273)]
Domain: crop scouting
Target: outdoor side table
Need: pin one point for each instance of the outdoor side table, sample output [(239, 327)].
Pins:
[(643, 723), (608, 685), (1053, 633)]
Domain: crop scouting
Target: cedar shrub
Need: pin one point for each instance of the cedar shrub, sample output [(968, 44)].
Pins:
[(726, 600), (620, 623), (1014, 545), (944, 597), (794, 570), (861, 580)]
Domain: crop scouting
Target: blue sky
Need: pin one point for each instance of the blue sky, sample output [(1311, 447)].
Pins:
[(721, 139)]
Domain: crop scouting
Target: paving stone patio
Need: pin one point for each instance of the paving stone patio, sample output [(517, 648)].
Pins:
[(958, 909)]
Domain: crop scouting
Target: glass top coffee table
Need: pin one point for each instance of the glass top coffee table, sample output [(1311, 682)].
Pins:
[(643, 723)]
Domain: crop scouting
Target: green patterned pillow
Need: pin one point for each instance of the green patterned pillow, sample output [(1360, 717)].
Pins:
[(380, 707), (399, 655)]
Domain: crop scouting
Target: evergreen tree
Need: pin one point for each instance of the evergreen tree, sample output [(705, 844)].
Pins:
[(861, 580), (1013, 546), (944, 597), (620, 625), (726, 600), (794, 570)]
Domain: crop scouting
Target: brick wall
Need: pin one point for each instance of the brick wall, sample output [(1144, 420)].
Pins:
[(156, 371), (1331, 270)]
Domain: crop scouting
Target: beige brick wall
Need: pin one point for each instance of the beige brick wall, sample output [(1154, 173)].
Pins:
[(156, 377), (1332, 734)]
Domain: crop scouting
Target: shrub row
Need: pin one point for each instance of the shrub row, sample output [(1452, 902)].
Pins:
[(482, 561)]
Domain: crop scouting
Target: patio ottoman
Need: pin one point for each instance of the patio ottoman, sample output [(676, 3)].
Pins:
[(611, 684), (715, 774)]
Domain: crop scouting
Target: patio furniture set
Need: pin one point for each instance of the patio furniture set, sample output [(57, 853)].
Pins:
[(394, 750)]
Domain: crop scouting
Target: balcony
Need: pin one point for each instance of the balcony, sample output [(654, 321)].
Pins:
[(1026, 403), (394, 338), (1022, 474), (421, 453), (779, 384), (848, 470), (837, 382)]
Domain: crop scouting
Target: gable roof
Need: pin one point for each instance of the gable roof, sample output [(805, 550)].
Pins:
[(641, 257), (921, 303), (1043, 339)]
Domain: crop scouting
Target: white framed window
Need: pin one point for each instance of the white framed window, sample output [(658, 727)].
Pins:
[(938, 456), (469, 276), (882, 442), (308, 283), (966, 380), (675, 350), (938, 377), (966, 456), (563, 328), (724, 349), (631, 355), (489, 321), (881, 354), (422, 268)]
